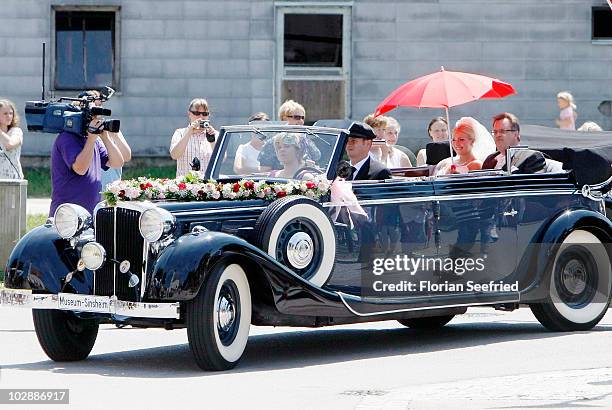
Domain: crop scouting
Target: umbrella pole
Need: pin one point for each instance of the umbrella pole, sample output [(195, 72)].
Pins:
[(450, 138)]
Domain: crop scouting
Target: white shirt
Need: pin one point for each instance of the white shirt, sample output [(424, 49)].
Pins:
[(358, 166), (10, 166), (246, 157), (501, 161), (198, 146)]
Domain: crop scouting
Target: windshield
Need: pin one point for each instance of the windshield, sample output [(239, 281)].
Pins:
[(290, 153)]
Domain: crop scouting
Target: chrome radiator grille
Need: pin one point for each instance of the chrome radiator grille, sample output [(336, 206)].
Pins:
[(117, 231)]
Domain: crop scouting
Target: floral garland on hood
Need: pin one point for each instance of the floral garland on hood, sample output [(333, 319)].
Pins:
[(192, 187)]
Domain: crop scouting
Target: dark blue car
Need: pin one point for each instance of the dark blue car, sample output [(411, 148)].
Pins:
[(278, 245)]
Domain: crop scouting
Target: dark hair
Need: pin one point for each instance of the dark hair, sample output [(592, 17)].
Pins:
[(259, 116), (510, 117), (434, 120)]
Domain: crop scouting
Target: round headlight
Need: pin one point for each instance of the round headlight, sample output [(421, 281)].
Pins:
[(70, 220), (93, 255), (155, 223)]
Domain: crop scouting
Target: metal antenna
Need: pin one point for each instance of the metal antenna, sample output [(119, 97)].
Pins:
[(43, 73)]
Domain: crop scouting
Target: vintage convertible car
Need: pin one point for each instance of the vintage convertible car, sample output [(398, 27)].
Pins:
[(281, 245)]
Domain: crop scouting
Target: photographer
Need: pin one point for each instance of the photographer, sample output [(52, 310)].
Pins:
[(191, 147), (111, 174), (76, 165)]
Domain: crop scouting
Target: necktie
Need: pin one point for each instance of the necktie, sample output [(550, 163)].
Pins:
[(352, 174)]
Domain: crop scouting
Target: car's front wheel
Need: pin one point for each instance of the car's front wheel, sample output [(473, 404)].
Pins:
[(63, 336), (219, 318), (580, 285)]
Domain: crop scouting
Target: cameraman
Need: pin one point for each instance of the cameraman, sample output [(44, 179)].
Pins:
[(111, 174), (76, 165), (191, 147)]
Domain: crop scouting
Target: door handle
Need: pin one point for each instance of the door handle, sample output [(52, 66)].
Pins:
[(510, 213)]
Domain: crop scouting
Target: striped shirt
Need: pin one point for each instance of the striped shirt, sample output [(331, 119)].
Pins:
[(197, 147)]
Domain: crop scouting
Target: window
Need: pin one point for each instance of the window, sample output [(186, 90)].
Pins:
[(313, 40), (601, 23), (85, 48)]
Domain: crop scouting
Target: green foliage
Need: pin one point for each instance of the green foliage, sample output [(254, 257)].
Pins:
[(33, 221)]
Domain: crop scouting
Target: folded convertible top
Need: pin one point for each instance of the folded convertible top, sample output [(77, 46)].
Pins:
[(589, 154)]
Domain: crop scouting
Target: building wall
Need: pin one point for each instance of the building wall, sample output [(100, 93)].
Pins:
[(175, 50)]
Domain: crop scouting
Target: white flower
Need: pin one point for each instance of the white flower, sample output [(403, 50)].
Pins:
[(216, 194), (172, 188)]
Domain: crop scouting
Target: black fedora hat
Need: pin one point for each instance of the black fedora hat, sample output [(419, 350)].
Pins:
[(361, 130)]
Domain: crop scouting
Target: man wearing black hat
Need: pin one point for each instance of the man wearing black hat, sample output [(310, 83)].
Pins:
[(358, 146)]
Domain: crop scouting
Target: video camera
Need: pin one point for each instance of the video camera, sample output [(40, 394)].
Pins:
[(70, 114)]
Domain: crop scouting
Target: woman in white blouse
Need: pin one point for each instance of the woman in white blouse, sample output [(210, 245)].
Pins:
[(11, 138)]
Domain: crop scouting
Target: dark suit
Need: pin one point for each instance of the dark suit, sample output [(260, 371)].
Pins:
[(532, 163), (373, 169)]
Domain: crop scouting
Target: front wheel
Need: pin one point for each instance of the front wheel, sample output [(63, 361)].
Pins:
[(433, 322), (219, 318), (580, 285), (63, 336)]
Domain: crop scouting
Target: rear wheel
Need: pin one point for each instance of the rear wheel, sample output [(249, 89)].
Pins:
[(580, 285), (219, 318), (433, 322), (63, 336)]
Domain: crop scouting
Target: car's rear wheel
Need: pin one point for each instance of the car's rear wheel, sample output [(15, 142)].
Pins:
[(219, 318), (580, 285), (298, 233), (63, 336), (433, 322)]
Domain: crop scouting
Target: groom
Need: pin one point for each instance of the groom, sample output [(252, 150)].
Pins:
[(506, 132)]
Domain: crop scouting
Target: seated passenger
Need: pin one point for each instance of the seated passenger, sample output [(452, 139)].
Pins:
[(507, 133), (358, 146), (472, 143), (438, 132), (391, 154), (290, 149)]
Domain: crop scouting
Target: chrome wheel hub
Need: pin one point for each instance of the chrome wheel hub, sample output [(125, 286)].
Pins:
[(574, 277), (300, 250), (226, 313)]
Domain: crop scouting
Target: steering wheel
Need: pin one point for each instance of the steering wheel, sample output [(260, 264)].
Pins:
[(299, 174)]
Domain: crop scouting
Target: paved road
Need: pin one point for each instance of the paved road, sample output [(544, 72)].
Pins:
[(35, 206), (485, 359)]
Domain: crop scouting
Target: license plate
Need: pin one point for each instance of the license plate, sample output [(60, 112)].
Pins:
[(84, 303)]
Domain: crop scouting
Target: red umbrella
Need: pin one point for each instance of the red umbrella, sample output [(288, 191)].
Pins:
[(444, 89)]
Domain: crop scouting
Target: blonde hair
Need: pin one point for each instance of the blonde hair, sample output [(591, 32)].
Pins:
[(393, 123), (376, 122), (288, 107), (199, 102), (465, 128), (590, 126), (11, 105), (567, 96), (290, 138)]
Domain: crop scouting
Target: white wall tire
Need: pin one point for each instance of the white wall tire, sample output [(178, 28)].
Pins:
[(580, 285), (219, 318), (298, 233)]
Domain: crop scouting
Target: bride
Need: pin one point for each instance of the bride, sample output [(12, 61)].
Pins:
[(472, 143)]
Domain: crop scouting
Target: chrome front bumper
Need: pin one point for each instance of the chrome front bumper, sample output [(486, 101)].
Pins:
[(88, 303)]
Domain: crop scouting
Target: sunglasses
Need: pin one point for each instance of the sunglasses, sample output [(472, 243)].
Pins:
[(203, 113), (297, 117)]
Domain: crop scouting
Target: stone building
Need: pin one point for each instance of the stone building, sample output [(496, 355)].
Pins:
[(339, 57)]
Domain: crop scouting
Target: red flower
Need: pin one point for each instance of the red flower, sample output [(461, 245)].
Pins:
[(201, 193), (281, 194), (249, 184), (149, 185), (236, 187), (143, 187), (182, 185), (310, 185), (121, 193)]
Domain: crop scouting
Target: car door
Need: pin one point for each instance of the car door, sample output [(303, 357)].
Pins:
[(476, 232)]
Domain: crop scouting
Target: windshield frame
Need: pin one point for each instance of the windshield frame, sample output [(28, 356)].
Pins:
[(213, 168)]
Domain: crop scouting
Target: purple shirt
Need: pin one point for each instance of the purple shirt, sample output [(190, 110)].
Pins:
[(67, 185)]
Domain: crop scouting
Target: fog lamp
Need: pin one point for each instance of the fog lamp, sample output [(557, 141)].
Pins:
[(93, 255)]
